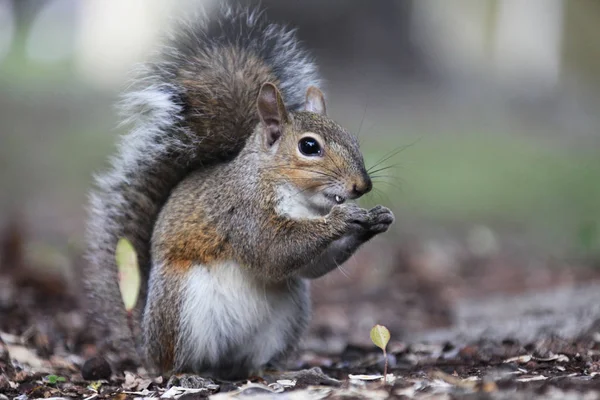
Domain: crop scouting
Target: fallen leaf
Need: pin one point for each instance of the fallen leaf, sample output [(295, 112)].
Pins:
[(555, 357), (287, 382), (135, 383), (24, 355), (365, 377), (452, 380), (519, 359), (129, 273), (532, 378)]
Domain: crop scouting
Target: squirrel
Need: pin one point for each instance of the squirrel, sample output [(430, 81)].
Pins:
[(233, 186)]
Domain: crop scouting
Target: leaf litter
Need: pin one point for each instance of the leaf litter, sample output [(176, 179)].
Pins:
[(43, 357)]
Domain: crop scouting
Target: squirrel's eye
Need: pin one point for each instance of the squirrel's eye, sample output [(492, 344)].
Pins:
[(309, 147)]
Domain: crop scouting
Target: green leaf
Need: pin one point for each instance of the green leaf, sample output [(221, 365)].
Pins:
[(95, 386), (54, 379), (380, 336), (129, 273)]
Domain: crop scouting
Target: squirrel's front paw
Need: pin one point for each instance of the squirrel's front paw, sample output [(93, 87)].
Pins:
[(380, 219), (365, 223), (350, 217)]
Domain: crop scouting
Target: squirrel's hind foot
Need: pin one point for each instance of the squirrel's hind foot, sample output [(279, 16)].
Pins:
[(191, 381)]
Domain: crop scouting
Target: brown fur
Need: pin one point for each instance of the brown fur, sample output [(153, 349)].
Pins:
[(168, 297), (228, 212), (188, 235)]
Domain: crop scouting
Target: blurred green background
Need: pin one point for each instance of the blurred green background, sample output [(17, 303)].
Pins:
[(493, 106)]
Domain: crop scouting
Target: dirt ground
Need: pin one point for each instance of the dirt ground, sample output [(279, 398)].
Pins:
[(463, 326)]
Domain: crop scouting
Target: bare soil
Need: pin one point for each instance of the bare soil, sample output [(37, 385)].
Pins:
[(462, 327)]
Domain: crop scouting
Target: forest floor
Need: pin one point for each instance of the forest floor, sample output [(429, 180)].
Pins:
[(463, 327)]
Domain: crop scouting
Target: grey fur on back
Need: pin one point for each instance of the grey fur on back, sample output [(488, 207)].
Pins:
[(162, 146)]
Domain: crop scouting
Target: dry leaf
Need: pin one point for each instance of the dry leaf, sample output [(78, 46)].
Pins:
[(365, 377), (287, 383), (532, 378), (519, 359), (25, 355)]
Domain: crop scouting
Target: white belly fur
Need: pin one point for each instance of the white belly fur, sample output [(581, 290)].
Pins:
[(228, 317)]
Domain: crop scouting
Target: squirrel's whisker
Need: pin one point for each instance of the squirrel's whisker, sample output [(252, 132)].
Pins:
[(391, 154), (393, 166)]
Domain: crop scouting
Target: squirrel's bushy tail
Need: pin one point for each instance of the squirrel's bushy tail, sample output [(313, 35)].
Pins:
[(192, 107)]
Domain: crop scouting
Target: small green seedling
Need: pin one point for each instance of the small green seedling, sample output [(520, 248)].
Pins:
[(129, 273), (54, 379), (380, 336)]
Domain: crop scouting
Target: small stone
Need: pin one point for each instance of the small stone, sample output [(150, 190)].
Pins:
[(96, 368), (4, 383)]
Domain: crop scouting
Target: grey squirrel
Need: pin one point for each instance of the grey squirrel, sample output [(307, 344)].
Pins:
[(232, 186)]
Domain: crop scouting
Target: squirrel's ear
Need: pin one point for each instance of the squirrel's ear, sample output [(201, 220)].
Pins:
[(271, 111), (315, 101)]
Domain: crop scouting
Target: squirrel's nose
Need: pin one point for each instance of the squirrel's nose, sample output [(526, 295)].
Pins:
[(363, 186)]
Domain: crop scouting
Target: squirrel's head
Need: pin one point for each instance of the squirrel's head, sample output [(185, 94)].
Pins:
[(315, 161)]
